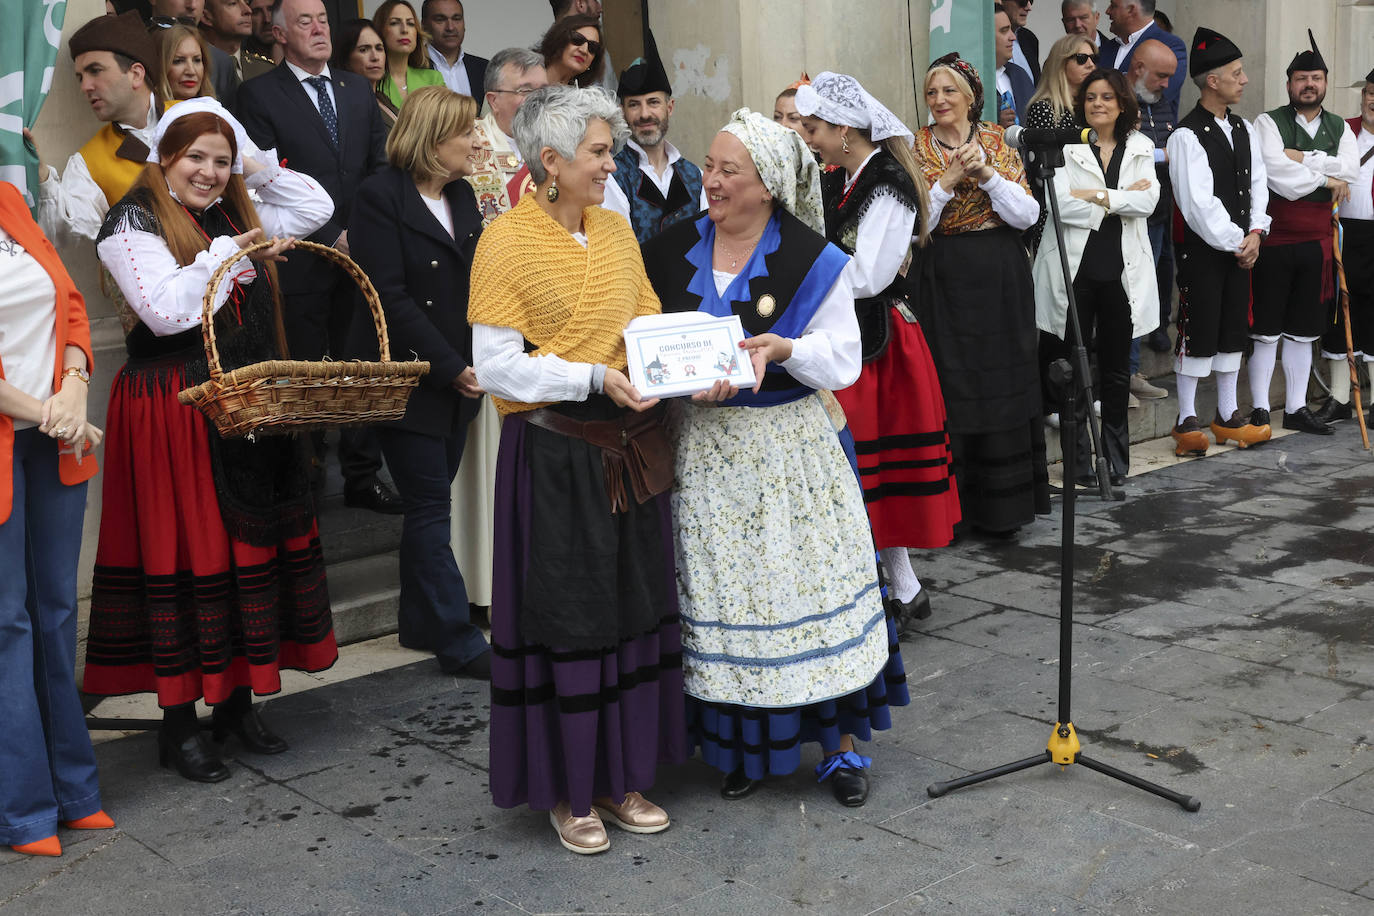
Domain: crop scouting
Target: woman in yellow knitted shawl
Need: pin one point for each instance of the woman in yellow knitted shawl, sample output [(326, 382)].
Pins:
[(586, 679)]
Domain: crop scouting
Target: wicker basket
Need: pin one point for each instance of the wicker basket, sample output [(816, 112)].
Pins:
[(284, 396)]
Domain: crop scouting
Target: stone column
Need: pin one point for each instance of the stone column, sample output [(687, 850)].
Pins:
[(724, 54)]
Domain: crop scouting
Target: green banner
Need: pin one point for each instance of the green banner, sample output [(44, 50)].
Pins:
[(29, 42), (966, 26)]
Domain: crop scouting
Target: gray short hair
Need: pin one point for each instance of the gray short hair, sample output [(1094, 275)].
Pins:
[(522, 59), (557, 117), (1076, 4)]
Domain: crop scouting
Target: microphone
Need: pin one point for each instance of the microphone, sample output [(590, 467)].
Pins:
[(1047, 138)]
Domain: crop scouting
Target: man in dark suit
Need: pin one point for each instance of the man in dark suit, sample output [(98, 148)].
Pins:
[(1014, 86), (1080, 17), (1026, 54), (463, 73), (328, 126), (1133, 22)]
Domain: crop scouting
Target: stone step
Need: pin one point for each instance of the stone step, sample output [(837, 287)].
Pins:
[(363, 593)]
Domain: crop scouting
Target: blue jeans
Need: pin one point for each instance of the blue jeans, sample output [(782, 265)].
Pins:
[(47, 764), (434, 602)]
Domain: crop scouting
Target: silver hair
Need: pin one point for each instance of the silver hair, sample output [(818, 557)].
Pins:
[(1076, 4), (279, 14), (557, 117), (521, 59)]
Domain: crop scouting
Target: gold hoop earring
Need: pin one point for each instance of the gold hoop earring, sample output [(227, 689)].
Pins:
[(844, 143), (552, 192)]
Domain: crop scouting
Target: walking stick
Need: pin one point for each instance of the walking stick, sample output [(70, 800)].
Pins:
[(1344, 294)]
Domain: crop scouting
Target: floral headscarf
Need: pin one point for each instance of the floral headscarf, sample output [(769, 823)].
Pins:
[(953, 62), (788, 169)]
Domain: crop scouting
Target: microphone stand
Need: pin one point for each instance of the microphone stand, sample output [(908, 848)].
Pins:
[(1064, 747)]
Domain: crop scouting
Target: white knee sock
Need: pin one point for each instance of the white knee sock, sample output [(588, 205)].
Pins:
[(1297, 366), (1226, 394), (902, 583), (1187, 395), (1262, 371), (1340, 380)]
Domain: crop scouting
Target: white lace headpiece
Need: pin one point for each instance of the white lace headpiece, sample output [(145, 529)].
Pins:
[(195, 106), (839, 99)]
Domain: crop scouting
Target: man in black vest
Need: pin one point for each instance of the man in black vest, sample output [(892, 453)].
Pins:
[(328, 126), (1219, 186), (1310, 161)]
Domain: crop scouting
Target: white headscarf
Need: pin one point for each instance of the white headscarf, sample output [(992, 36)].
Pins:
[(785, 165), (839, 99), (195, 106)]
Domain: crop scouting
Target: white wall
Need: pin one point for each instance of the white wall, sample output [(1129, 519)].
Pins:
[(496, 24)]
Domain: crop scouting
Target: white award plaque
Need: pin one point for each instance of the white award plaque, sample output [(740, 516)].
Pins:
[(682, 353)]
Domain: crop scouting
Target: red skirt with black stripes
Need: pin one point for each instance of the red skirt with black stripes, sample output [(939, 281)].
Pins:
[(896, 414), (180, 607)]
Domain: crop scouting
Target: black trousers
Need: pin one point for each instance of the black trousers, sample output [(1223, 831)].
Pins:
[(317, 325), (1104, 314)]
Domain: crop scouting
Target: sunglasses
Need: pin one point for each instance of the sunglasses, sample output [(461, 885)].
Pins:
[(577, 39), (1082, 59)]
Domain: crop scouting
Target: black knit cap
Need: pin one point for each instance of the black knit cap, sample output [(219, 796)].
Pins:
[(1210, 50), (1370, 77), (646, 74), (123, 34), (1307, 60)]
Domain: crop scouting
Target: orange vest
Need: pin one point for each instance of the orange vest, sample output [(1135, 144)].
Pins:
[(114, 174), (72, 330)]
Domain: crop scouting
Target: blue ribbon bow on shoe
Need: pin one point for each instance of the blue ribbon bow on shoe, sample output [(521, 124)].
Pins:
[(848, 760)]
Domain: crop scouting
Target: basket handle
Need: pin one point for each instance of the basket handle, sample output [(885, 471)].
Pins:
[(349, 266)]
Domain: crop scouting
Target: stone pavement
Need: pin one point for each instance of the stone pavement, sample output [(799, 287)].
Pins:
[(1223, 647)]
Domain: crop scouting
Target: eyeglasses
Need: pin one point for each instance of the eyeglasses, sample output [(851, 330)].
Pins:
[(578, 40), (522, 91), (1082, 59), (166, 22)]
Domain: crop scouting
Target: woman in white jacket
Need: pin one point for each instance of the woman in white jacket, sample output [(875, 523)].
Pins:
[(1106, 190)]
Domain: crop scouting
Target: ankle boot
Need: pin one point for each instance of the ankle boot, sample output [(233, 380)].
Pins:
[(238, 717), (180, 746)]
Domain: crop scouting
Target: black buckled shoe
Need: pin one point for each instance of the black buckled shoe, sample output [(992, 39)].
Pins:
[(373, 495), (248, 727), (1333, 411), (191, 757), (1303, 421), (848, 775), (905, 613), (737, 785)]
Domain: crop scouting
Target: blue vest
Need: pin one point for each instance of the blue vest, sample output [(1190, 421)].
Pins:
[(650, 213)]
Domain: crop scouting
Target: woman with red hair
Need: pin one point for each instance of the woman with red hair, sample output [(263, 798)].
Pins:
[(208, 576)]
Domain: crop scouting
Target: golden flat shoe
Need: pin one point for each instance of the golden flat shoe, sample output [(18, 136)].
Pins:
[(636, 813), (582, 835), (1189, 439)]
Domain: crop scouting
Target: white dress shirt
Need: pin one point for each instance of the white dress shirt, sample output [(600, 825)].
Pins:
[(1124, 47), (1361, 202), (615, 197), (456, 75), (310, 90), (1191, 174), (1294, 180)]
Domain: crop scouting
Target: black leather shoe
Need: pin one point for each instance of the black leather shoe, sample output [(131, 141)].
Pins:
[(477, 669), (905, 614), (1259, 417), (1158, 340), (850, 787), (1333, 411), (192, 758), (248, 727), (376, 496), (736, 785), (1303, 421)]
